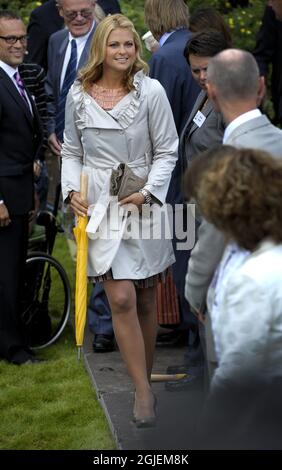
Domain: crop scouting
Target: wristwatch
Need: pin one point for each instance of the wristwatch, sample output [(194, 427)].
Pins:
[(147, 195)]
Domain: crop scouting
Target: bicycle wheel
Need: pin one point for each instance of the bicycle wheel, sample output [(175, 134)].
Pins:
[(46, 301)]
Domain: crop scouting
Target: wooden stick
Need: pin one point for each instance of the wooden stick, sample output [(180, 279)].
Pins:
[(84, 186), (167, 377)]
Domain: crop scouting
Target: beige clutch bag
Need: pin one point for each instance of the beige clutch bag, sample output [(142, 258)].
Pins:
[(124, 182)]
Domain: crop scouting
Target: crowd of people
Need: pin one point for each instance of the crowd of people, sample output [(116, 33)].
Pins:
[(187, 126)]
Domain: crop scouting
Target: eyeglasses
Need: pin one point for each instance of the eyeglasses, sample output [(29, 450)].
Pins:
[(13, 39), (71, 15)]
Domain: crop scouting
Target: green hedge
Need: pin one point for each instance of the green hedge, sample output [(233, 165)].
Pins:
[(244, 22)]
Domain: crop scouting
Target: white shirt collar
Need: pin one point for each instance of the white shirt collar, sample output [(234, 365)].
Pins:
[(10, 71), (164, 37), (238, 121)]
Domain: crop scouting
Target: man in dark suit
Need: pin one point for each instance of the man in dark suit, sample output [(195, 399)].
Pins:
[(109, 6), (46, 20), (80, 24), (268, 53), (169, 22), (20, 137)]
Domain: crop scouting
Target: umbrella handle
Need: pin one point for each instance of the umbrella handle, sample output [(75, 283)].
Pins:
[(166, 377), (83, 186)]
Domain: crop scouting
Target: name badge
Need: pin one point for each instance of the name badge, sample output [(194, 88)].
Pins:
[(199, 119)]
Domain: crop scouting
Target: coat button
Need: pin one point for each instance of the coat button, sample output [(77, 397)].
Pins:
[(121, 132), (87, 101), (97, 131)]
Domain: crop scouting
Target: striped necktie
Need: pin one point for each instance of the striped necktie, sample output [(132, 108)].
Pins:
[(68, 81), (21, 88)]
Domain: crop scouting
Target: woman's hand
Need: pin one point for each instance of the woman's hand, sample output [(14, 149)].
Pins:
[(136, 198), (78, 205), (54, 144)]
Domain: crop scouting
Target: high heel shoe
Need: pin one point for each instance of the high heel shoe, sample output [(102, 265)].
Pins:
[(149, 422)]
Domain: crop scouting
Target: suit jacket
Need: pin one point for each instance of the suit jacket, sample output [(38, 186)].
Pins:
[(20, 140), (195, 139), (257, 133), (169, 66), (268, 52), (56, 53), (44, 21), (33, 77), (109, 6)]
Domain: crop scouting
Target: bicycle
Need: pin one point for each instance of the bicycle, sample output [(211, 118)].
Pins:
[(47, 295)]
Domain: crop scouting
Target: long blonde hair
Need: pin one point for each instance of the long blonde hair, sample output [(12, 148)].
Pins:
[(93, 70)]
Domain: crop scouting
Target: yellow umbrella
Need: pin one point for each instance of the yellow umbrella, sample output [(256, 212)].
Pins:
[(81, 269)]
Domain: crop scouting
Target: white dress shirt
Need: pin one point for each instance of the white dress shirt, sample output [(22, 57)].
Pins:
[(80, 43)]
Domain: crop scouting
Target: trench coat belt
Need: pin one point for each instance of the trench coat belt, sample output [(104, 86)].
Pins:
[(100, 208), (142, 161)]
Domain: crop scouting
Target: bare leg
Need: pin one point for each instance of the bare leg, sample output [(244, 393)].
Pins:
[(147, 314), (128, 333)]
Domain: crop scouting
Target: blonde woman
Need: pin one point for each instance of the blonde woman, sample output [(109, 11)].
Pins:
[(116, 114)]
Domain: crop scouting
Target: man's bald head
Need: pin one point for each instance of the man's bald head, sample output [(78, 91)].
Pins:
[(234, 74)]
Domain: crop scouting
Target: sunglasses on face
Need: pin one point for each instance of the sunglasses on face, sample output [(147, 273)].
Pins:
[(71, 15)]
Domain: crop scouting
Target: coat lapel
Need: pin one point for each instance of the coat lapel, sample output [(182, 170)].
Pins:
[(60, 62), (206, 111), (11, 88)]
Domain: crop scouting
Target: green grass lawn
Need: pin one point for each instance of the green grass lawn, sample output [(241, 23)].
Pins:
[(52, 405)]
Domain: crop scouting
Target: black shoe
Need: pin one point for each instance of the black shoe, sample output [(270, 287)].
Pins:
[(28, 360), (172, 339), (196, 370), (33, 360), (103, 343), (190, 382)]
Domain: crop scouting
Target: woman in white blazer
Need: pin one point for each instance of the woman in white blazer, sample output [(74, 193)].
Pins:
[(116, 114), (241, 193)]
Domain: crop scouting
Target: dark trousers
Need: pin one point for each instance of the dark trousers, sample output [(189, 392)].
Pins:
[(99, 312), (13, 250)]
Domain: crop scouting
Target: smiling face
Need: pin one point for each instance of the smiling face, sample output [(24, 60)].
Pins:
[(199, 67), (120, 51), (78, 15), (12, 54)]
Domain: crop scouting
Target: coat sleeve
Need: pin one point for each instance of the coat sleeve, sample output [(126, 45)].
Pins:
[(72, 151), (266, 41), (164, 142), (37, 41), (243, 324), (181, 90), (203, 262)]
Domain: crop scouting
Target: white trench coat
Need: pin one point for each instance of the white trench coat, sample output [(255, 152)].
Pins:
[(140, 132)]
